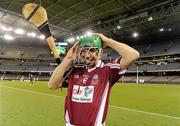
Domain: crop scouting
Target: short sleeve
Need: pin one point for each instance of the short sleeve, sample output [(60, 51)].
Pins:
[(115, 71)]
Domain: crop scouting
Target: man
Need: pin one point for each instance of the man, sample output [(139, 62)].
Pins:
[(31, 79), (91, 80)]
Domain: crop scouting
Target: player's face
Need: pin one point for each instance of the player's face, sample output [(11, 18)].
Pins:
[(90, 56)]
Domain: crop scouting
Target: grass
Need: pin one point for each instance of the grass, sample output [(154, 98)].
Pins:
[(33, 107)]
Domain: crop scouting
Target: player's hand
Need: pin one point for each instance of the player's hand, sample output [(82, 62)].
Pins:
[(103, 38), (72, 51)]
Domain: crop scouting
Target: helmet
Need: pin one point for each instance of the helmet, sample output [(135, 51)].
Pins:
[(92, 41), (87, 43)]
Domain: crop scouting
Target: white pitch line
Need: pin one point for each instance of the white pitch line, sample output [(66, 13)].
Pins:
[(30, 91), (150, 113), (112, 106)]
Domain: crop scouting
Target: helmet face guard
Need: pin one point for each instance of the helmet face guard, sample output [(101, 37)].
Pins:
[(88, 44)]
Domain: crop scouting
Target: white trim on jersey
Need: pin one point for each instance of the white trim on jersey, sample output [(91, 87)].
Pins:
[(68, 124), (122, 71), (98, 65), (91, 69), (67, 119), (116, 60), (99, 117), (116, 65), (102, 64), (112, 64)]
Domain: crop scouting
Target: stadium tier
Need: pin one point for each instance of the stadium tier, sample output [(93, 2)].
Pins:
[(169, 49), (153, 33)]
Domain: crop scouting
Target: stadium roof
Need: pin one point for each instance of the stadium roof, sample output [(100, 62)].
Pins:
[(117, 18), (153, 20)]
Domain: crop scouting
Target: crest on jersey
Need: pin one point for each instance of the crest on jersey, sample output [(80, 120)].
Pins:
[(95, 79)]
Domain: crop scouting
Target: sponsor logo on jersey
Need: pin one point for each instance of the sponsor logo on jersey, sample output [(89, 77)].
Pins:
[(94, 79), (82, 94)]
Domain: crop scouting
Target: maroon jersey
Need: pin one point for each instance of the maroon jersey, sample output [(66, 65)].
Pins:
[(87, 100)]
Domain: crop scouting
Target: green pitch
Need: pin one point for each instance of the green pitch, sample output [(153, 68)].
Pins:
[(130, 105)]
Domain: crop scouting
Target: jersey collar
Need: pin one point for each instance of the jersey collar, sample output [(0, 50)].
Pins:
[(97, 65)]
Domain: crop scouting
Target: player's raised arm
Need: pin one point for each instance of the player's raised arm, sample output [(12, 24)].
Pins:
[(57, 77), (127, 53)]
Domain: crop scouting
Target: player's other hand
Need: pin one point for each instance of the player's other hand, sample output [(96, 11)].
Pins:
[(72, 51), (103, 38)]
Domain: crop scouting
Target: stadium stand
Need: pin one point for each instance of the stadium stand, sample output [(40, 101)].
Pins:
[(148, 52), (156, 57)]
